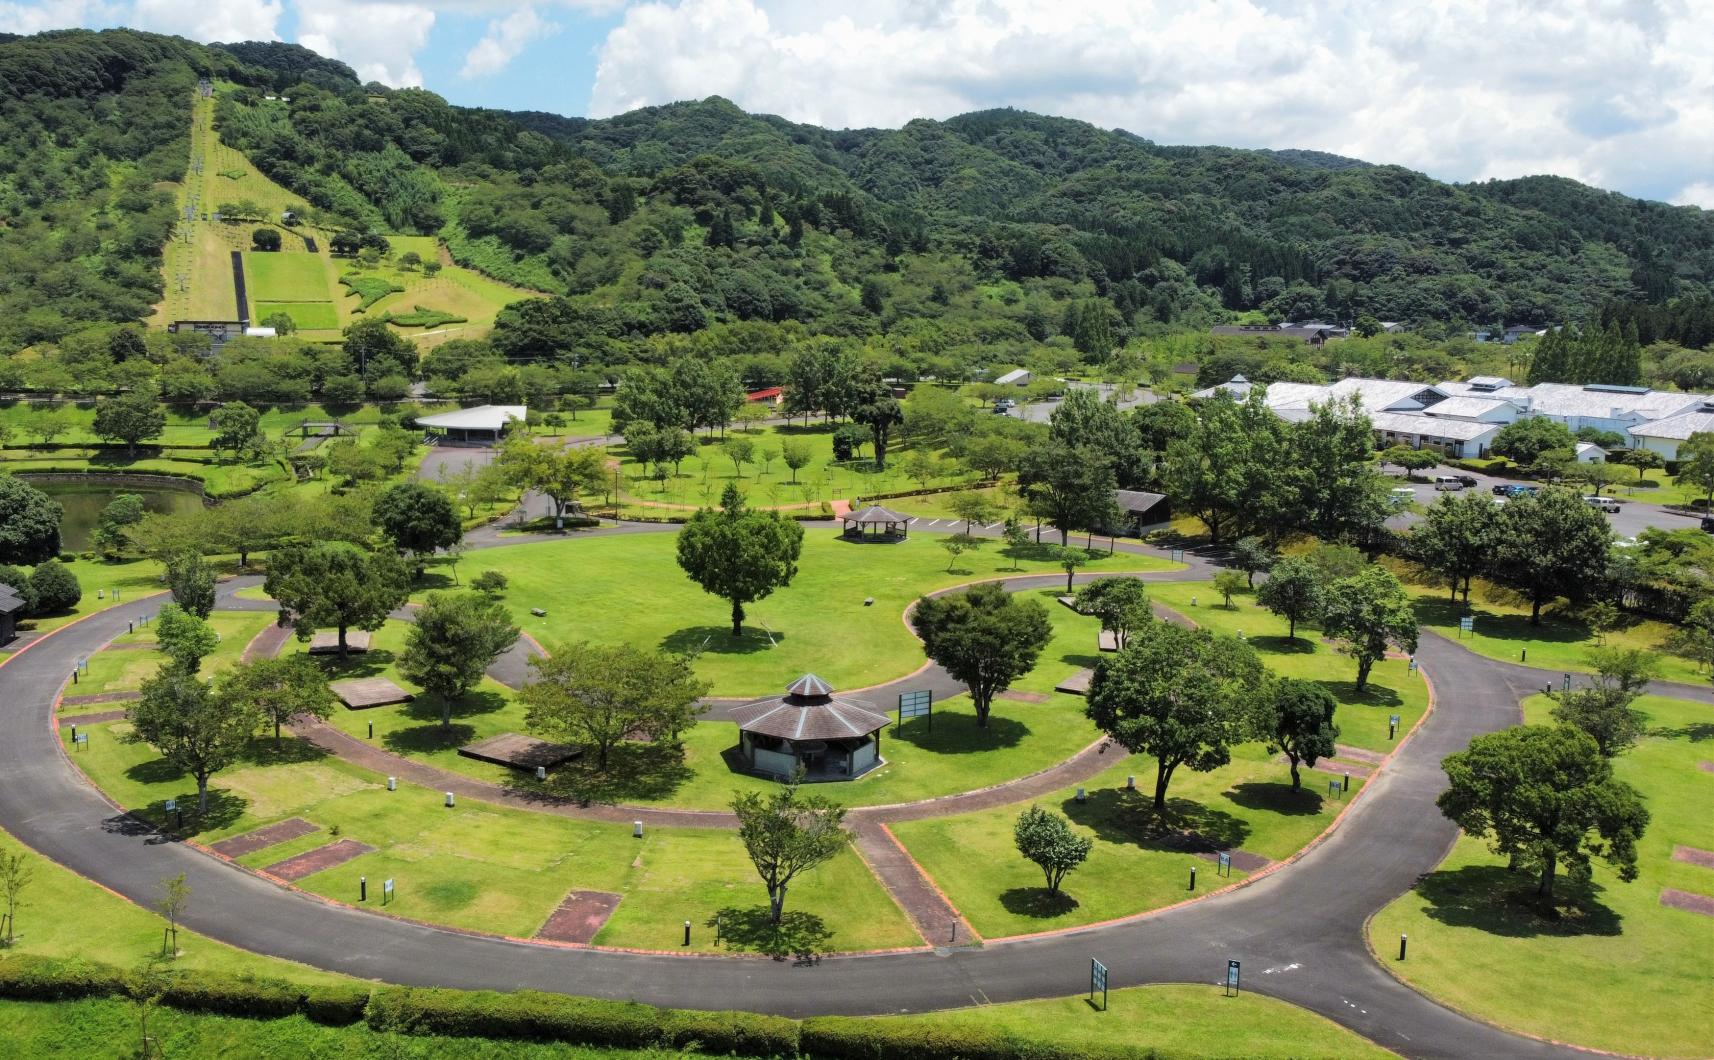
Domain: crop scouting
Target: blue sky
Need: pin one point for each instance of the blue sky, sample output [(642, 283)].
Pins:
[(1615, 93)]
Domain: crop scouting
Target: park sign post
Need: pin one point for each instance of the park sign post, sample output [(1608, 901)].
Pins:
[(1098, 982), (1231, 978), (1466, 624), (917, 705)]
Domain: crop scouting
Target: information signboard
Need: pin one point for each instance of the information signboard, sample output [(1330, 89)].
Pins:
[(1098, 982), (917, 705), (1232, 977)]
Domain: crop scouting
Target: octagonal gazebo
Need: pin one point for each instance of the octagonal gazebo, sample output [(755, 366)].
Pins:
[(876, 522), (811, 729)]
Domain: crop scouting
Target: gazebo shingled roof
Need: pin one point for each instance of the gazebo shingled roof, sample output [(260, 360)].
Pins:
[(808, 711), (875, 515)]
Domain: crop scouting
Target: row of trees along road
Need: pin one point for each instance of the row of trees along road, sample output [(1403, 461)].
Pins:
[(1544, 546)]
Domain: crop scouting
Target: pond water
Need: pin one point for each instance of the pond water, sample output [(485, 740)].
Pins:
[(83, 503)]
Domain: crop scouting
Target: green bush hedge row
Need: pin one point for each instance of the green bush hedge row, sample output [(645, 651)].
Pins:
[(535, 1016)]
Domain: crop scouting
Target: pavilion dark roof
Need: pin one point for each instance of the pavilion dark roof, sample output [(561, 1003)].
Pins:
[(10, 601), (808, 711), (875, 514)]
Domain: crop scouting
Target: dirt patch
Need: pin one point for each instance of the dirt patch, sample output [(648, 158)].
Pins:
[(93, 719), (1706, 767), (1693, 856), (579, 917), (1242, 860), (98, 697), (239, 845), (1695, 903), (1358, 754), (1022, 697), (311, 862)]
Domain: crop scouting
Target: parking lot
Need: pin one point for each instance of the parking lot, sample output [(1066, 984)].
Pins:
[(1632, 518)]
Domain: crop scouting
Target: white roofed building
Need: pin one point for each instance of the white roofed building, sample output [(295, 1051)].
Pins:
[(482, 424)]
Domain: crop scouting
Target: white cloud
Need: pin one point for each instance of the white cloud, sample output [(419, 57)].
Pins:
[(1699, 194), (224, 20), (55, 14), (1601, 90), (506, 37), (378, 40)]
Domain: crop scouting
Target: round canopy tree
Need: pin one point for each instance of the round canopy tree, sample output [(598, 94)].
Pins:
[(29, 523), (738, 554), (418, 519)]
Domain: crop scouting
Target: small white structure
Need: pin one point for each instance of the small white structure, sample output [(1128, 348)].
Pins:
[(261, 333), (1590, 453), (1015, 377), (482, 424)]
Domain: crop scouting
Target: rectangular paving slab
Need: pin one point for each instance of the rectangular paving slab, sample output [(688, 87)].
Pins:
[(579, 917), (364, 692), (249, 842), (1695, 903), (311, 862), (1077, 684), (1693, 856)]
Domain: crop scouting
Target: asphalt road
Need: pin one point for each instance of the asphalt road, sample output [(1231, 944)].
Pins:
[(1298, 932), (1632, 518)]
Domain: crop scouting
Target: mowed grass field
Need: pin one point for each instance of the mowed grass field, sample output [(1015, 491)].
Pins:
[(308, 316), (1623, 972), (630, 589), (284, 276)]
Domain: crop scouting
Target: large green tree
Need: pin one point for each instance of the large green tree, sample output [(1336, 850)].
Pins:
[(1696, 463), (983, 636), (1084, 419), (336, 585), (1228, 470), (1550, 545), (563, 476), (1340, 493), (1526, 439), (453, 639), (419, 519), (130, 419), (1295, 718), (739, 554), (1177, 695), (1293, 591), (29, 523), (1456, 538), (1366, 614), (596, 695), (193, 728), (1072, 486), (1544, 796), (237, 428), (273, 691), (1119, 603), (1046, 838), (191, 582), (184, 638)]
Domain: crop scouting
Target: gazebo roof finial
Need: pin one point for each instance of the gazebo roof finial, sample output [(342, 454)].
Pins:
[(809, 685)]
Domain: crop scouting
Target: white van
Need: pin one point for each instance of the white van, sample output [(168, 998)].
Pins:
[(1448, 483), (1402, 496)]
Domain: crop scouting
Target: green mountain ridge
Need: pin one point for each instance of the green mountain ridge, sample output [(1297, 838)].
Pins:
[(670, 218)]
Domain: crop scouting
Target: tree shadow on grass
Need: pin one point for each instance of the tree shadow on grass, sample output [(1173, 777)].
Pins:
[(1372, 696), (469, 705), (800, 936), (291, 751), (358, 664), (1695, 732), (1124, 816), (1493, 900), (1037, 902), (1276, 798), (427, 739), (636, 771), (718, 640), (956, 734), (1282, 645)]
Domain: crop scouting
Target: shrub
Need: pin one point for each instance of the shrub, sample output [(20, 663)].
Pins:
[(336, 1005), (852, 1038), (731, 1033), (227, 996), (27, 977), (56, 587), (491, 582)]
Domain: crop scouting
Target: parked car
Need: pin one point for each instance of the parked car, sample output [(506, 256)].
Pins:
[(1004, 407), (1402, 496), (1606, 504), (1515, 490), (1468, 480), (1448, 483), (1708, 523), (1502, 489)]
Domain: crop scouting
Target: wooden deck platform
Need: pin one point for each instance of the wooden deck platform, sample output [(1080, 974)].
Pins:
[(364, 692), (517, 751)]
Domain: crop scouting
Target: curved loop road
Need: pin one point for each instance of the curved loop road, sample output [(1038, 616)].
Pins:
[(1298, 931)]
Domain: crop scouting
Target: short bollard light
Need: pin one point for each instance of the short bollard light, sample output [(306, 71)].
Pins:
[(1082, 796), (362, 888), (1193, 877), (1131, 782), (449, 799), (392, 783), (687, 932), (101, 594), (1524, 655), (74, 734), (371, 730), (1347, 780), (1403, 939), (541, 772), (637, 829)]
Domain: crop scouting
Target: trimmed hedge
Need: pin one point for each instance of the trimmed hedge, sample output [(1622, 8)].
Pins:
[(854, 1038), (29, 978)]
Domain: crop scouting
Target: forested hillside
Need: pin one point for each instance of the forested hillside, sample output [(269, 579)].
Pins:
[(992, 227)]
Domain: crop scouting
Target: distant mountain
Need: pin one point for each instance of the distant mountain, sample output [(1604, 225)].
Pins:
[(671, 217)]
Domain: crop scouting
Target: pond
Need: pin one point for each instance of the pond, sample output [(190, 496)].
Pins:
[(83, 502)]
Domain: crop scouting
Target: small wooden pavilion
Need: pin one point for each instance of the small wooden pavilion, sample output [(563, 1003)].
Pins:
[(876, 522), (809, 729)]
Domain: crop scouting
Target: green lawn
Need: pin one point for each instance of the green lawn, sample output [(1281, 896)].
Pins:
[(308, 316), (1136, 864), (64, 915), (285, 276), (701, 478), (630, 589), (491, 869), (1362, 716), (124, 666), (134, 579), (1622, 973), (922, 760), (1177, 1021), (1502, 631)]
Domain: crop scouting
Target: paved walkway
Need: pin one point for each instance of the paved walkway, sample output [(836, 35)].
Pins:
[(1301, 937)]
